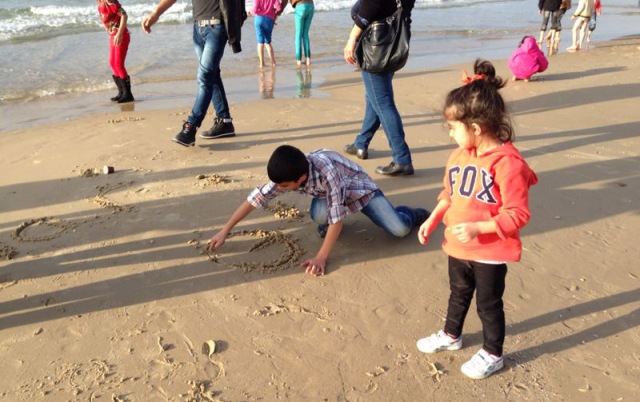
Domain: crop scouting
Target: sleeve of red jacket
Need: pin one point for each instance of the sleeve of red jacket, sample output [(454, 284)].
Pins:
[(514, 178)]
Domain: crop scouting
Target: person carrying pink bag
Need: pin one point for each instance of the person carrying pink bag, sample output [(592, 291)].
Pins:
[(527, 60)]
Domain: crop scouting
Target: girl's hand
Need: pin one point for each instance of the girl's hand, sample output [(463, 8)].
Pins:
[(465, 232), (117, 40), (425, 230)]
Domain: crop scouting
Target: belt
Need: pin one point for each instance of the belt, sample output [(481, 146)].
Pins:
[(202, 23)]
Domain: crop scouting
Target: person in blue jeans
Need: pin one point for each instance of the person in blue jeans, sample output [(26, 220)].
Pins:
[(215, 22), (338, 187), (303, 13), (380, 106)]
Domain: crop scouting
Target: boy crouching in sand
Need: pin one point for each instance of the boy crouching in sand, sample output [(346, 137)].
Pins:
[(338, 187)]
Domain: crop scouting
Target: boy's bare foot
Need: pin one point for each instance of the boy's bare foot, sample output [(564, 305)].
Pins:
[(299, 63), (573, 49), (308, 62)]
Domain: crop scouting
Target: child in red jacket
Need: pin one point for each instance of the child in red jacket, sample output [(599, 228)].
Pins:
[(114, 19), (484, 204), (527, 60)]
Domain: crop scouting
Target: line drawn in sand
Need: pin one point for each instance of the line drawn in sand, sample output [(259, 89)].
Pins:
[(59, 226), (7, 252), (105, 202), (289, 256)]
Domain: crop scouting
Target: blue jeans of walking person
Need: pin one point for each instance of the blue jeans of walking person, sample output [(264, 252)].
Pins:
[(380, 109), (303, 16), (209, 41), (396, 221)]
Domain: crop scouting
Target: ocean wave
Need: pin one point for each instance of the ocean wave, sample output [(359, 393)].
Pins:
[(37, 22)]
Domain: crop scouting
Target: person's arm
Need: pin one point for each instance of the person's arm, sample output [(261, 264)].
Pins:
[(350, 47), (465, 232), (152, 18), (123, 25), (316, 265), (433, 221), (283, 5), (219, 238), (514, 213)]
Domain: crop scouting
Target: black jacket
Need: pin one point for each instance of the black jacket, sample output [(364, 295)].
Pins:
[(549, 5), (364, 12), (233, 15)]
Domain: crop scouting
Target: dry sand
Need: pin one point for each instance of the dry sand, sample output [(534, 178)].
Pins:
[(106, 294)]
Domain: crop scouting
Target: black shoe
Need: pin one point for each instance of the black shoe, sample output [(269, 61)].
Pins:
[(322, 230), (352, 150), (220, 129), (187, 136), (395, 169)]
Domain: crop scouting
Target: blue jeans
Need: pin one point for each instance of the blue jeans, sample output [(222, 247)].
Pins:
[(381, 109), (396, 221), (264, 28), (303, 16), (209, 42)]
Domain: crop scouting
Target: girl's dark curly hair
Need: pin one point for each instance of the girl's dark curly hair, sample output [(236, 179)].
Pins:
[(480, 102)]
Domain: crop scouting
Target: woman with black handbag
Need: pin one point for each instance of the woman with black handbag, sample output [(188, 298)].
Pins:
[(380, 104)]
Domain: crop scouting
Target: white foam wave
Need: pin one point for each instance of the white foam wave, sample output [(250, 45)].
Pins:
[(39, 20), (36, 21)]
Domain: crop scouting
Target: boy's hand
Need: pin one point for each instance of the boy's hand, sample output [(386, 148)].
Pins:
[(217, 241), (314, 266), (465, 232)]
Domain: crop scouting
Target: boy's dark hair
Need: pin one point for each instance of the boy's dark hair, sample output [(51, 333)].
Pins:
[(480, 102), (287, 163)]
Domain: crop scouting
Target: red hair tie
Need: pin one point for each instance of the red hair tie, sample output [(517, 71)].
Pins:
[(468, 80)]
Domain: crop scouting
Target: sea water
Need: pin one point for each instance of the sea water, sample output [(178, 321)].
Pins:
[(59, 50)]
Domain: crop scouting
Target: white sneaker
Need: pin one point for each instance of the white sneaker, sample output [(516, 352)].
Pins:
[(438, 342), (482, 365)]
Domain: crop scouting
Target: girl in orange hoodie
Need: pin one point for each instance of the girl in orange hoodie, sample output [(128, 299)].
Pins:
[(484, 204)]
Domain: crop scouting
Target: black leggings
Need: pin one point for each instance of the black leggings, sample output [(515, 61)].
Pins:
[(546, 16), (488, 282)]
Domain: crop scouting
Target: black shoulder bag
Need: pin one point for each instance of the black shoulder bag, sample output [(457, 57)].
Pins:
[(383, 46)]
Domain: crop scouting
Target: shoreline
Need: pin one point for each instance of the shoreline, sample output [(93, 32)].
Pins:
[(428, 51), (111, 297)]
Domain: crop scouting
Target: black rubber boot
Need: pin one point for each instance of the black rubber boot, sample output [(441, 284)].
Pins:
[(126, 91), (119, 84)]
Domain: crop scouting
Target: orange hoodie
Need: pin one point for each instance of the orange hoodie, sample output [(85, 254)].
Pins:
[(493, 186)]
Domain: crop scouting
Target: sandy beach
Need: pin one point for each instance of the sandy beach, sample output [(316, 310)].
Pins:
[(106, 293)]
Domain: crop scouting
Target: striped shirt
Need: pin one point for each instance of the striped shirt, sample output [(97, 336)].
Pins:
[(344, 184)]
